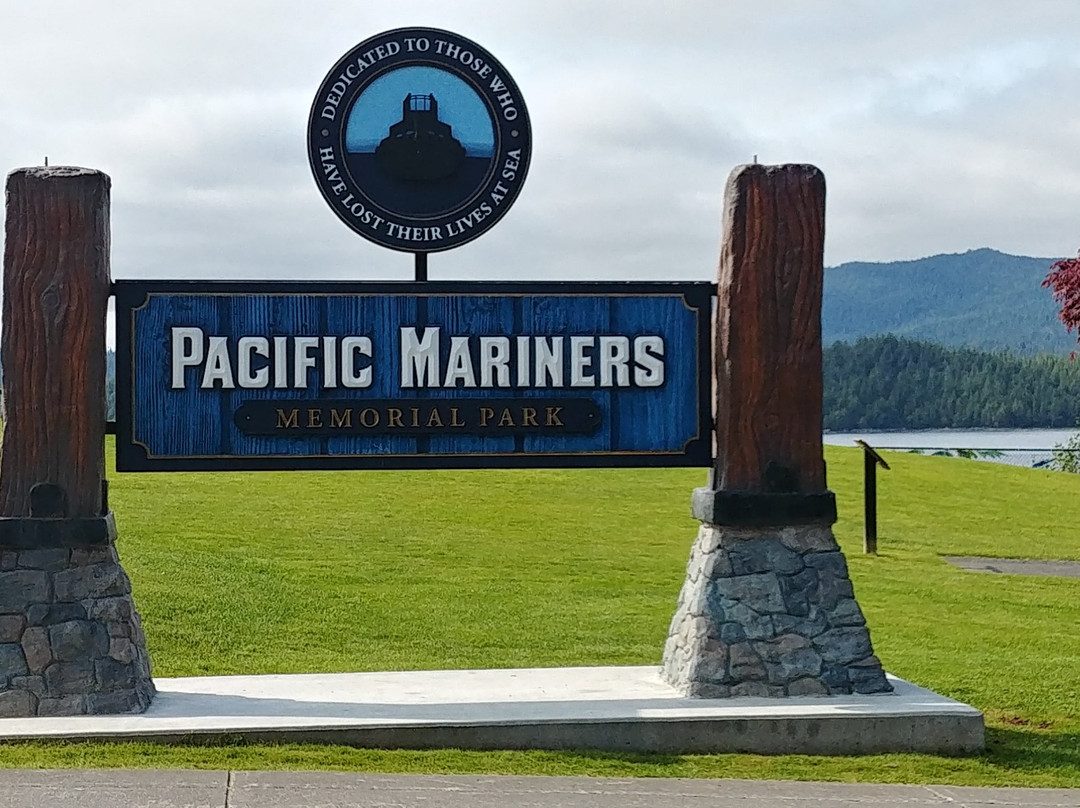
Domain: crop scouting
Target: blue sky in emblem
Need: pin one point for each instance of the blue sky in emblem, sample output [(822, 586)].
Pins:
[(379, 107)]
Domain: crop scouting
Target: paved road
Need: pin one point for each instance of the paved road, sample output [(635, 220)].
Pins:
[(219, 789)]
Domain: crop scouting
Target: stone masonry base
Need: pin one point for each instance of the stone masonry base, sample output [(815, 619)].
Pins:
[(71, 642), (769, 612)]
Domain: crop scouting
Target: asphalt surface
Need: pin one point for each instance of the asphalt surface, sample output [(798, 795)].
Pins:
[(1017, 566), (222, 789)]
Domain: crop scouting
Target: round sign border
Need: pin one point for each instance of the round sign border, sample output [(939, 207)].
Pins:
[(330, 182)]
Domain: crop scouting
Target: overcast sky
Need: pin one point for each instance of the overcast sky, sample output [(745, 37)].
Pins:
[(940, 125)]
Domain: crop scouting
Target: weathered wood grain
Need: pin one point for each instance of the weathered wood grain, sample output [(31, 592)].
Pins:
[(52, 349), (768, 332)]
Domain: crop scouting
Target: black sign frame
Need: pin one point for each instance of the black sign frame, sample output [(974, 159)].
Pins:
[(132, 294)]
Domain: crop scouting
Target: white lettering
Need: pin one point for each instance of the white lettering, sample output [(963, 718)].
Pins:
[(187, 352), (302, 360), (281, 367), (614, 359), (523, 361), (650, 366), (218, 368), (420, 358), (246, 349), (579, 362), (459, 366), (549, 361), (494, 361), (329, 352), (351, 347)]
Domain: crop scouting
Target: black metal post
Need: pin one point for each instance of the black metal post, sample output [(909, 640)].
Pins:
[(870, 502), (871, 460), (421, 266)]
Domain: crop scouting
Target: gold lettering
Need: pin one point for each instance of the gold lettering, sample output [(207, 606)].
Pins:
[(339, 420), (486, 413), (506, 419), (434, 419), (289, 422), (454, 417), (369, 417), (528, 416), (415, 415), (553, 417), (393, 417), (314, 418)]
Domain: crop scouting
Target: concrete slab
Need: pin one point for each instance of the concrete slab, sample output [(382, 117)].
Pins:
[(612, 709)]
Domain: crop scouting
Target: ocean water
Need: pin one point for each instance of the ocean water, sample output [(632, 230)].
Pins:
[(1016, 447), (1029, 439)]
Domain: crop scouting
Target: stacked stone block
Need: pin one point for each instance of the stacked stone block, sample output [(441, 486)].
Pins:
[(769, 612), (71, 642)]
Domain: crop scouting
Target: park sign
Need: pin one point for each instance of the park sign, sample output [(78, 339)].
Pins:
[(419, 140), (293, 375), (234, 375)]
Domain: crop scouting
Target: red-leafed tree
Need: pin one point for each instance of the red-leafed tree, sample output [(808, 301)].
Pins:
[(1064, 281)]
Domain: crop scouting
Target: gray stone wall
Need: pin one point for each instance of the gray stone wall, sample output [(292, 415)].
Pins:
[(71, 642), (769, 612)]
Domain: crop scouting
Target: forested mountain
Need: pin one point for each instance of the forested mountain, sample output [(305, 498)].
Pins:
[(891, 383), (980, 299)]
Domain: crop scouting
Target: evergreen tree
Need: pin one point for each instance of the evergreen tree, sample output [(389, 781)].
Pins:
[(886, 382)]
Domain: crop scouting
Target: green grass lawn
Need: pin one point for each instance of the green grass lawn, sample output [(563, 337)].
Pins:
[(354, 571)]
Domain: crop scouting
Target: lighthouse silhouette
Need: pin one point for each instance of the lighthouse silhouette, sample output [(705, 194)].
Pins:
[(420, 147)]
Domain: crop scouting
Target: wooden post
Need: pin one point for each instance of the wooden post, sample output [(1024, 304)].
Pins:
[(871, 460), (769, 462), (769, 338), (52, 349), (767, 607)]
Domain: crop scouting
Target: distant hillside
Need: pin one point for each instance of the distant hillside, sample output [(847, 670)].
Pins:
[(890, 383), (980, 299)]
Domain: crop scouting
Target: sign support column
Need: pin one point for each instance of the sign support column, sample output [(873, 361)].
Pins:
[(767, 608), (71, 642)]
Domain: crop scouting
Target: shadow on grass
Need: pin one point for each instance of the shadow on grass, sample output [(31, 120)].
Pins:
[(1031, 750)]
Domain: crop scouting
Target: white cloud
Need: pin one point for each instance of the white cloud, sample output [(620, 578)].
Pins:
[(939, 129)]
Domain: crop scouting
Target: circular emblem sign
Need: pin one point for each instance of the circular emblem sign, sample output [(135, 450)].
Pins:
[(419, 139)]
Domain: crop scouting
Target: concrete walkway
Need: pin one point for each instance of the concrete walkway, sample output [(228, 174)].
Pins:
[(219, 789), (1017, 566)]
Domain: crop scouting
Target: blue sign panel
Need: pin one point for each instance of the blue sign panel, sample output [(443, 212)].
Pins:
[(441, 375)]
